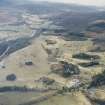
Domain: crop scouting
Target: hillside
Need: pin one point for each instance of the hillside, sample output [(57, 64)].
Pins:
[(78, 21), (96, 31), (51, 54)]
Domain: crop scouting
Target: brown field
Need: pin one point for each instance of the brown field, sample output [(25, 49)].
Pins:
[(6, 17)]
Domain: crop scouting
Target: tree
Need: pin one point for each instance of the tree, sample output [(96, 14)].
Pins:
[(98, 80), (11, 77)]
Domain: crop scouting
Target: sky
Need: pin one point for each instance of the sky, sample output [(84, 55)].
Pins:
[(83, 2)]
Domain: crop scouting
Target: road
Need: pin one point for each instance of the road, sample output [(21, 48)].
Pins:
[(37, 33), (5, 53)]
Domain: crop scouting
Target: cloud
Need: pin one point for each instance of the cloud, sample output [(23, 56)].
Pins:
[(84, 2)]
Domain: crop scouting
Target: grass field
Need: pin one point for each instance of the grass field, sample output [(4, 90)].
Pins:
[(27, 75), (16, 98)]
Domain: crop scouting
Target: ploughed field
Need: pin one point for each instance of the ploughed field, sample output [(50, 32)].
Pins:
[(6, 17)]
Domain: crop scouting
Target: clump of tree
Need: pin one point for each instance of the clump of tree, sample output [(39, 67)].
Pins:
[(11, 77), (99, 45), (47, 81), (50, 41), (16, 88), (29, 63), (60, 30), (98, 27), (69, 69), (85, 56), (89, 64), (65, 69), (75, 36), (98, 80)]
